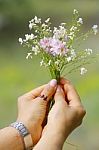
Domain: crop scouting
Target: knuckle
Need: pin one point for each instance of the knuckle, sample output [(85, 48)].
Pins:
[(81, 111)]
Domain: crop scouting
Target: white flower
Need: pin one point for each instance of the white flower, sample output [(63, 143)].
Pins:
[(60, 33), (73, 28), (95, 26), (80, 20), (71, 35), (44, 25), (63, 24), (21, 41), (47, 20), (29, 55), (31, 21), (29, 37), (35, 50), (34, 21), (95, 29), (32, 36), (30, 26), (75, 11), (69, 59), (42, 62), (37, 20), (89, 51), (83, 71)]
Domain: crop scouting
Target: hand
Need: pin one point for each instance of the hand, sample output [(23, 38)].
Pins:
[(32, 108), (66, 114)]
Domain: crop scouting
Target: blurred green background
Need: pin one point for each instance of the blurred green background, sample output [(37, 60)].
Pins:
[(17, 75)]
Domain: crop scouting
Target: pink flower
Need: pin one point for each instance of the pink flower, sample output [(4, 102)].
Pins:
[(53, 46), (44, 42)]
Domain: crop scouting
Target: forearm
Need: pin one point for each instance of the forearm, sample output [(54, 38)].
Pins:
[(50, 142), (10, 139)]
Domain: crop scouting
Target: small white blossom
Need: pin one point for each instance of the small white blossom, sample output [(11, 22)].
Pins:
[(60, 33), (75, 11), (30, 26), (69, 59), (88, 51), (44, 25), (63, 24), (47, 20), (35, 50), (80, 20), (21, 41), (95, 29), (73, 28), (71, 35), (42, 62), (37, 20), (83, 71), (33, 22), (29, 37), (29, 55)]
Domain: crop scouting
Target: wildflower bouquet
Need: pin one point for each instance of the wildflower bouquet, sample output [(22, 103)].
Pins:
[(59, 48)]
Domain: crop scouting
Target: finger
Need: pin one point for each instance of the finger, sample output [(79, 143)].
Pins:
[(71, 93), (63, 81), (35, 92), (59, 95), (48, 91)]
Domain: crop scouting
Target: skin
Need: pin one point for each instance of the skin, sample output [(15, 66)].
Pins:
[(66, 114), (31, 111)]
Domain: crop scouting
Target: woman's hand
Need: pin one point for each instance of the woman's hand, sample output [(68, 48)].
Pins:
[(32, 108), (66, 114)]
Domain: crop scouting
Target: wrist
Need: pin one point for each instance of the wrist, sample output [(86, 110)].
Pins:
[(24, 134), (12, 133), (50, 142), (61, 133), (34, 129), (54, 140)]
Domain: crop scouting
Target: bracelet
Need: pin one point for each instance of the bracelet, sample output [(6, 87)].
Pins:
[(24, 133)]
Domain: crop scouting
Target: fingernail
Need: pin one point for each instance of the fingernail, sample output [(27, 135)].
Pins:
[(53, 83)]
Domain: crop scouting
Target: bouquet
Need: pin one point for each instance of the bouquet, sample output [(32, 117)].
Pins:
[(59, 48)]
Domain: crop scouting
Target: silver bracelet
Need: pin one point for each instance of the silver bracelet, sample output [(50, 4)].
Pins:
[(24, 133)]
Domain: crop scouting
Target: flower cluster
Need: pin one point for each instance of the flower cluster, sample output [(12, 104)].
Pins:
[(53, 46), (56, 47)]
